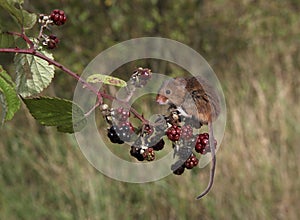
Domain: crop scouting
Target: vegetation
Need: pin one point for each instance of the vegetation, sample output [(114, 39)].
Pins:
[(253, 48)]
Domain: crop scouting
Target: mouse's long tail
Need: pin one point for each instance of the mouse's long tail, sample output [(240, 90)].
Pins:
[(214, 160)]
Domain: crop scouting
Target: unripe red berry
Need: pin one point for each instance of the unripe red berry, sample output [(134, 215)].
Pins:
[(58, 17), (202, 143), (149, 154), (173, 133), (186, 132), (52, 42)]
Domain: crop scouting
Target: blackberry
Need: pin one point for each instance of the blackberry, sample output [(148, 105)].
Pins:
[(58, 17), (122, 114), (149, 154), (113, 136), (173, 133), (52, 42), (159, 146), (124, 131), (202, 143), (178, 168), (136, 152), (191, 162), (186, 132)]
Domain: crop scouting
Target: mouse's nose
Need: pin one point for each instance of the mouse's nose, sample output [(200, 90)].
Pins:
[(162, 100)]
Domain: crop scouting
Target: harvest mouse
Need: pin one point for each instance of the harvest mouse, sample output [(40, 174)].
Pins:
[(192, 96), (195, 98)]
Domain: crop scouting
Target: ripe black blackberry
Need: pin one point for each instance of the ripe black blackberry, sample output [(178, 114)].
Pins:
[(113, 136), (124, 131), (159, 145), (136, 152), (58, 17), (173, 133), (178, 168)]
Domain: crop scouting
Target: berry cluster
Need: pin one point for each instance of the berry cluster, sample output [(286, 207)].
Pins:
[(177, 128), (58, 17), (142, 153), (180, 132)]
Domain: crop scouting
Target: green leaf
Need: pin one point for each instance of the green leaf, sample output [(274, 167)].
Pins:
[(9, 99), (99, 78), (6, 40), (22, 17), (33, 74), (57, 112)]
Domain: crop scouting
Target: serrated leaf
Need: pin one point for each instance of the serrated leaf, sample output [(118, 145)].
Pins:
[(21, 16), (9, 99), (57, 112), (99, 78), (33, 74), (6, 40)]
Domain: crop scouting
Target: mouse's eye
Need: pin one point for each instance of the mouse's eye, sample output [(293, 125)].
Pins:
[(168, 92)]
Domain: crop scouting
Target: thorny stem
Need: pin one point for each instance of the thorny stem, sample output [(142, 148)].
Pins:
[(100, 95)]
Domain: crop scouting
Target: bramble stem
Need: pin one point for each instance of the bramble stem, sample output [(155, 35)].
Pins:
[(23, 36), (100, 95)]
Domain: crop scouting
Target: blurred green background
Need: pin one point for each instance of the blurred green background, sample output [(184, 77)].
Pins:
[(254, 48)]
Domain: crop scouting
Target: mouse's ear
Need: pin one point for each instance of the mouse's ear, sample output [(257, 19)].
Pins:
[(181, 81)]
